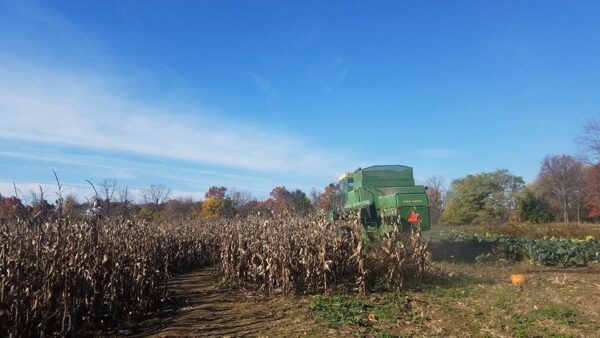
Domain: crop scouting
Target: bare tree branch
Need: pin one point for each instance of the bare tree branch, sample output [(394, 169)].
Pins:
[(156, 194), (107, 189), (436, 192), (560, 181), (589, 140), (124, 199)]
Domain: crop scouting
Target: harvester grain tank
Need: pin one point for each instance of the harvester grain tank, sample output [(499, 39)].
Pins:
[(384, 195)]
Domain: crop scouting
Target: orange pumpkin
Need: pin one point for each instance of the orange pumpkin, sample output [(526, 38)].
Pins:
[(517, 278)]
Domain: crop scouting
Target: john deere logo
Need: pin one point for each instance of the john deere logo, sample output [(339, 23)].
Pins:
[(412, 201)]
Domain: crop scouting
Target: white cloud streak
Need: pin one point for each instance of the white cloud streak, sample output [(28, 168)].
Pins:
[(77, 109), (97, 167), (63, 89)]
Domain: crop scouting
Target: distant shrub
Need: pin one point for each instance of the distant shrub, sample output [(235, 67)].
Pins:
[(535, 209)]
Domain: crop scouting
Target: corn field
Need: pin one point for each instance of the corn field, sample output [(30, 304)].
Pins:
[(62, 277), (309, 255)]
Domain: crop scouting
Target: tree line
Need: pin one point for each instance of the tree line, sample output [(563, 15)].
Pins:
[(155, 203), (566, 189)]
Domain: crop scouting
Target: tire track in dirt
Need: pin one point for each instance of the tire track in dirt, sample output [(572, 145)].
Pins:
[(201, 309)]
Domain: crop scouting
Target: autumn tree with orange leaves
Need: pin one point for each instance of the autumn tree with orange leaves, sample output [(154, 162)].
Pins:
[(278, 200), (326, 199)]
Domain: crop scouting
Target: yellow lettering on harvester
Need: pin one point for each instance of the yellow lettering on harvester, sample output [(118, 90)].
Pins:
[(412, 201)]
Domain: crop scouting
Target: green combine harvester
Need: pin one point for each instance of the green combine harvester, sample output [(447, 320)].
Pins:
[(385, 195)]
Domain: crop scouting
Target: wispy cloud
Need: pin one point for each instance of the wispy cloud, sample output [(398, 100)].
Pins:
[(81, 166), (67, 107), (66, 99), (332, 75), (265, 87), (107, 166)]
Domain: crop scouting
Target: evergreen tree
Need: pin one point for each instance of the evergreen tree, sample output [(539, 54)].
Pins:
[(535, 209)]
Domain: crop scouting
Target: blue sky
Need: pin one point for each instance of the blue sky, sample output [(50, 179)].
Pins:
[(252, 95)]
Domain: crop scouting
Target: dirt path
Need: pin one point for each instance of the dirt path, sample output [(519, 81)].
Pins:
[(464, 300), (202, 309)]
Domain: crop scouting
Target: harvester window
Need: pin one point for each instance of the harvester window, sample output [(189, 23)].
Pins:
[(350, 183)]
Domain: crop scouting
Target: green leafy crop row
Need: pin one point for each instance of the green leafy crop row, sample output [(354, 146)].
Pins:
[(546, 251)]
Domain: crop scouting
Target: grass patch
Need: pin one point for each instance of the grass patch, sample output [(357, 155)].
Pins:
[(471, 299), (454, 286), (561, 315), (453, 293), (344, 310), (524, 325), (336, 311), (502, 301), (456, 280)]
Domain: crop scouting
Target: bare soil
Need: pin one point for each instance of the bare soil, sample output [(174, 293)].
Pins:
[(201, 306), (463, 300)]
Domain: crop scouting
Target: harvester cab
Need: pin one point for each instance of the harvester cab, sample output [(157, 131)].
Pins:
[(385, 196)]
